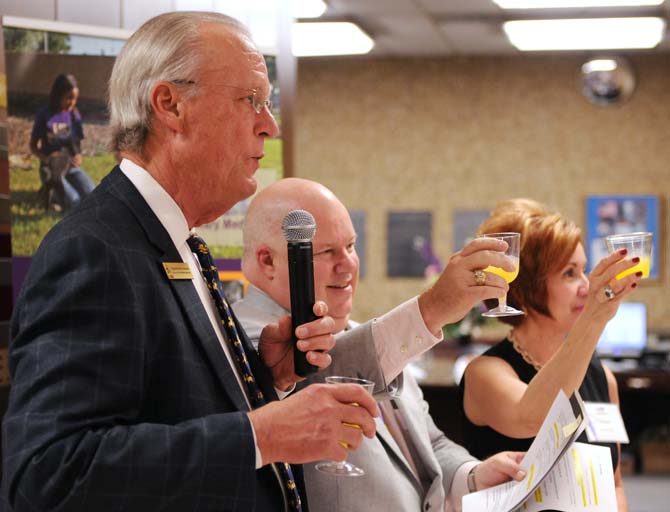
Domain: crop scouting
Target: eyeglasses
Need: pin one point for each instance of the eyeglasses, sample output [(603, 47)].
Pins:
[(254, 99)]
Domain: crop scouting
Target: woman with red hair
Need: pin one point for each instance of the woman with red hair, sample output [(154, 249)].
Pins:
[(507, 392)]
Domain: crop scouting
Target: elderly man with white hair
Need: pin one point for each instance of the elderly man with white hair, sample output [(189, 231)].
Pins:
[(134, 387)]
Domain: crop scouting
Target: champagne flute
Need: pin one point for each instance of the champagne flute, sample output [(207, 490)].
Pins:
[(344, 468), (513, 242)]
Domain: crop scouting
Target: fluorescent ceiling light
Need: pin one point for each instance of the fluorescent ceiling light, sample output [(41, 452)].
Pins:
[(552, 4), (308, 8), (585, 34), (329, 38)]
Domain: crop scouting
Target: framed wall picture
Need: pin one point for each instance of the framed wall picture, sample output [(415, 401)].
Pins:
[(609, 215), (409, 234), (465, 224)]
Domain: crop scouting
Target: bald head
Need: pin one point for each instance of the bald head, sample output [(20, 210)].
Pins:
[(262, 224), (335, 261)]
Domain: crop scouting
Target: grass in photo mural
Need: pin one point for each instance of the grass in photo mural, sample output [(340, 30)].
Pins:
[(30, 221)]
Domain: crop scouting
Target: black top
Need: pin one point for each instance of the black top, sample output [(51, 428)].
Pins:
[(483, 442)]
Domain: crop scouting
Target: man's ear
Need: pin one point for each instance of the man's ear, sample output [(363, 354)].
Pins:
[(265, 261), (167, 104)]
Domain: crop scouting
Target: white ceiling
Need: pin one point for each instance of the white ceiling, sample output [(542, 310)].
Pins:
[(399, 27), (119, 18), (456, 27)]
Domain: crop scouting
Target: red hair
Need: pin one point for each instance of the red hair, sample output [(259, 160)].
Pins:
[(548, 240)]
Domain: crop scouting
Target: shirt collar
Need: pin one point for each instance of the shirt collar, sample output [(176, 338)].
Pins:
[(161, 203), (265, 303)]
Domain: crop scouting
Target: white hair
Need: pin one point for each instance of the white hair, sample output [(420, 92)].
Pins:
[(165, 48)]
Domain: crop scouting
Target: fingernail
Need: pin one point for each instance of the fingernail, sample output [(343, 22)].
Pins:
[(302, 344), (623, 252), (520, 475), (301, 332), (638, 274), (636, 259), (634, 285)]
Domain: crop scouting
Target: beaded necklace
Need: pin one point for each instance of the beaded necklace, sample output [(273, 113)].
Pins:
[(522, 351)]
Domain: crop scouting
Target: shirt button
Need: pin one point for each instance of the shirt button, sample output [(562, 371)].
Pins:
[(403, 348), (418, 339), (427, 506)]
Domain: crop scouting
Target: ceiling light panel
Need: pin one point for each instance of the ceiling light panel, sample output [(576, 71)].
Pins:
[(585, 34), (329, 38), (560, 4)]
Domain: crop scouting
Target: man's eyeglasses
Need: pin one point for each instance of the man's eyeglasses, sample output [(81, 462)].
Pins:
[(254, 99)]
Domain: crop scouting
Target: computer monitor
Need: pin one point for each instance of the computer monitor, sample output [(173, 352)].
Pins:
[(625, 335)]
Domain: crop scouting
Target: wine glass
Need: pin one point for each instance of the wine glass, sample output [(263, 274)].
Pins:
[(513, 241), (344, 468), (638, 244)]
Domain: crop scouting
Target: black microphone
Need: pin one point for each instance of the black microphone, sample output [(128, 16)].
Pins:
[(299, 228)]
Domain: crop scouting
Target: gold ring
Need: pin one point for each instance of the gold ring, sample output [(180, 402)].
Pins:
[(480, 277), (344, 444), (352, 425), (609, 293)]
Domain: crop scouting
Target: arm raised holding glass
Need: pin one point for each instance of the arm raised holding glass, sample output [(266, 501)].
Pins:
[(457, 290)]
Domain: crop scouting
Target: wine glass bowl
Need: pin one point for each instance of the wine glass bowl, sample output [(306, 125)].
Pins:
[(513, 246), (638, 244), (344, 468)]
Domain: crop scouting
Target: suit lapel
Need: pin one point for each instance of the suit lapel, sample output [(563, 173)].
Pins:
[(423, 448), (391, 445), (185, 292)]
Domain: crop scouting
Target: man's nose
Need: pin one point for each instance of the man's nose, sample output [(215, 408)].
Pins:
[(266, 124), (347, 263)]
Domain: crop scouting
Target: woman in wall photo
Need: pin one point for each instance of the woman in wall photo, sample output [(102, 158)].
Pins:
[(56, 141)]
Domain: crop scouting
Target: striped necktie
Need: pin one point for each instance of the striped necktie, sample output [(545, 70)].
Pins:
[(254, 393)]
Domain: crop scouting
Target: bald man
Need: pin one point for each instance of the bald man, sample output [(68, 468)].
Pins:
[(410, 465)]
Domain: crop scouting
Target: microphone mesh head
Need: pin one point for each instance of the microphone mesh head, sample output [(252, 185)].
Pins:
[(298, 226)]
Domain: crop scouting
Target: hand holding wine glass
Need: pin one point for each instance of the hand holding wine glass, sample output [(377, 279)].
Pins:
[(513, 241), (638, 245), (343, 468)]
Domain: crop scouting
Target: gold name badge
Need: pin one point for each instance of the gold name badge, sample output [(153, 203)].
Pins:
[(177, 270)]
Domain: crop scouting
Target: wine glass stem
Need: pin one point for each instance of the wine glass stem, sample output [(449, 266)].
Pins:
[(502, 302)]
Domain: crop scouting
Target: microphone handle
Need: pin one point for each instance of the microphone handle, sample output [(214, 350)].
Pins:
[(301, 282)]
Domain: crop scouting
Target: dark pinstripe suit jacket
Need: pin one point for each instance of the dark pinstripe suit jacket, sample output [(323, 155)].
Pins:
[(122, 398)]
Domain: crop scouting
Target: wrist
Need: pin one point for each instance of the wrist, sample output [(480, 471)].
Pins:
[(264, 444), (590, 324), (428, 312)]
